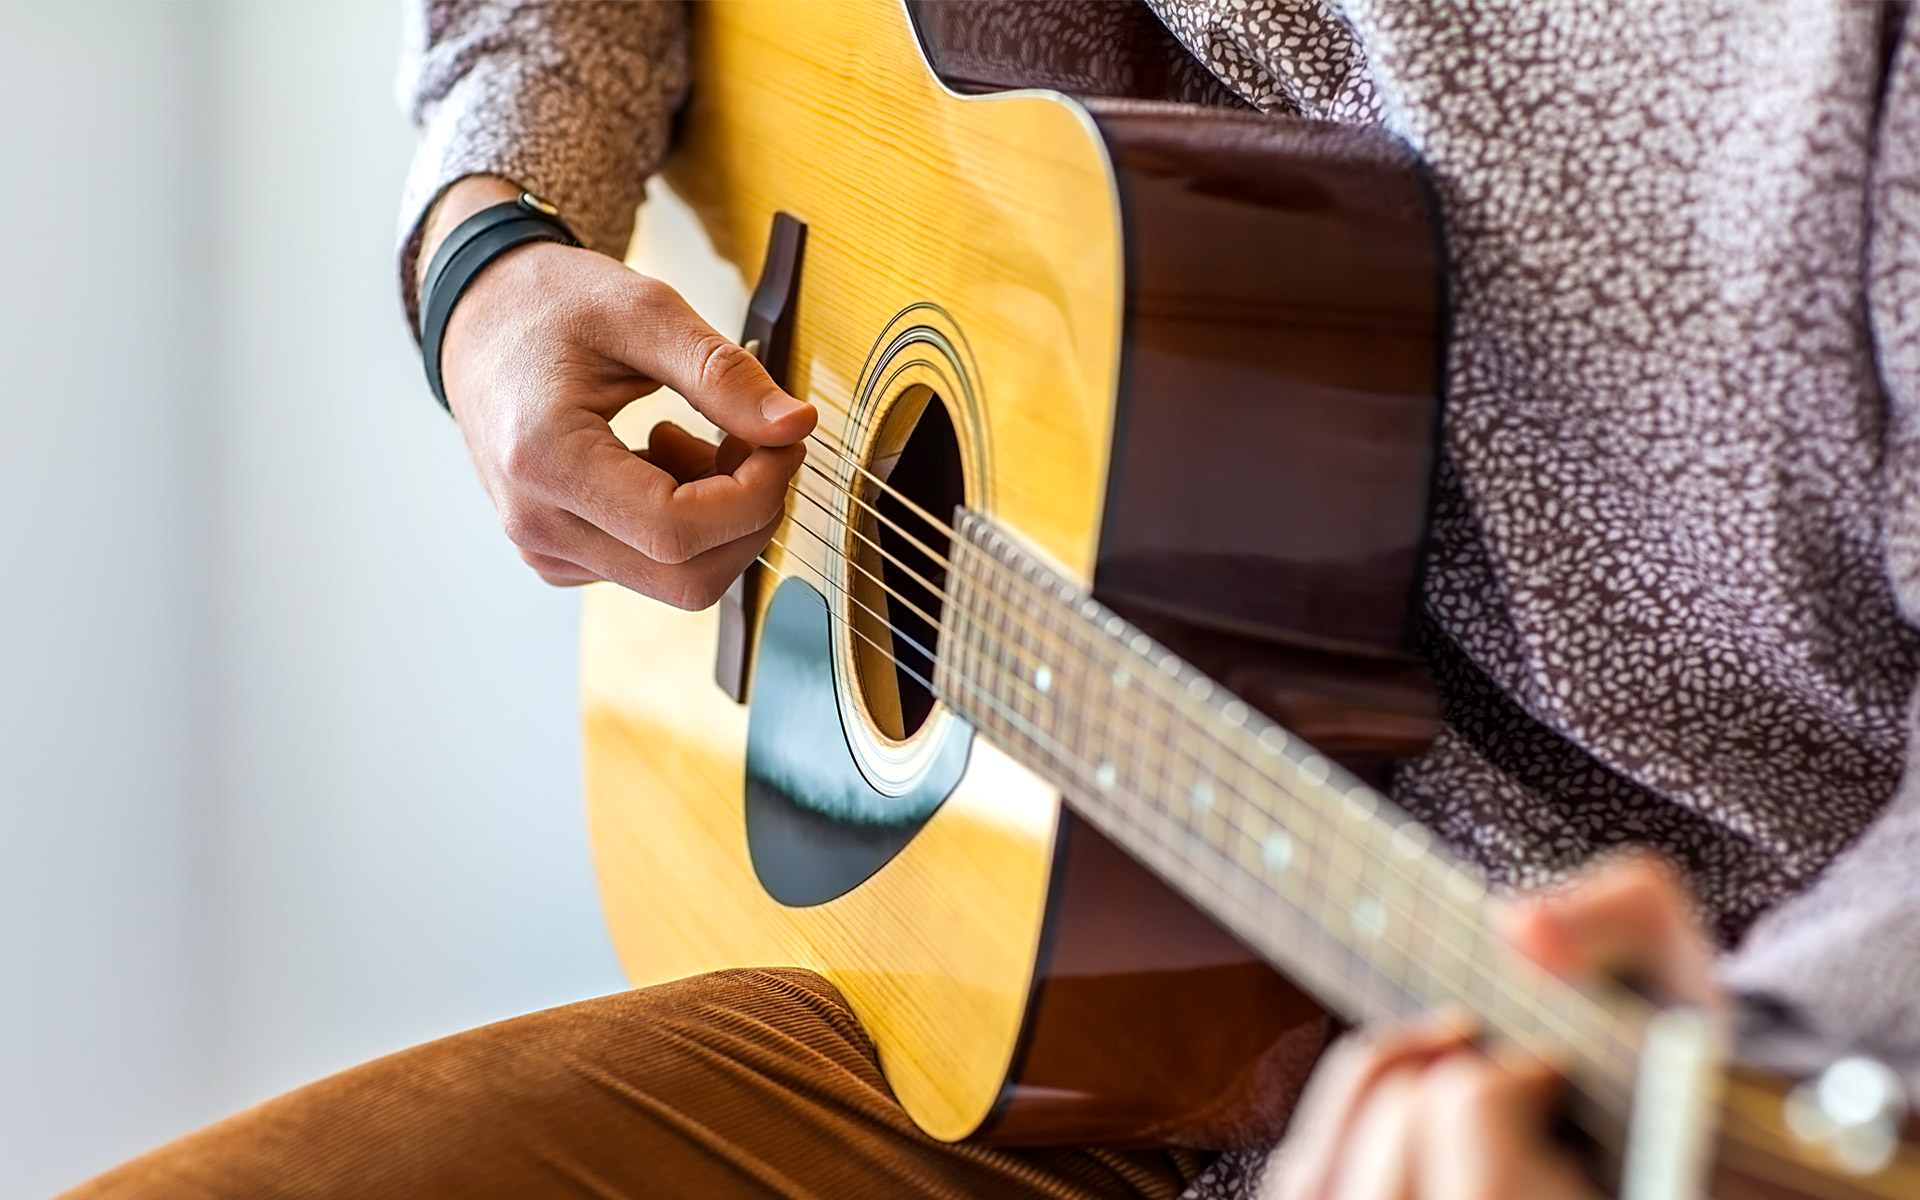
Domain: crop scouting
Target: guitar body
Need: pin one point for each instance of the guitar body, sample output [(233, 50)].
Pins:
[(1187, 353)]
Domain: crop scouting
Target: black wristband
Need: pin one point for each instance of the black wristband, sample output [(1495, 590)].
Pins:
[(474, 243)]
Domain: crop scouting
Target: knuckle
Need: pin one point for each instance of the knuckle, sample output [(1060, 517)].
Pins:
[(556, 572), (647, 293), (529, 460), (722, 362), (528, 528), (668, 542), (633, 302), (1460, 1083), (691, 593)]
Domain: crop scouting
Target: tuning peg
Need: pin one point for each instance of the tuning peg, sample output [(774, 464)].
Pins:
[(1853, 1111)]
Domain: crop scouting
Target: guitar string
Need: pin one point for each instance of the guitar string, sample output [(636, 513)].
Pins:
[(1533, 1007), (1315, 825), (1626, 1044), (1610, 1018), (1530, 1006), (1536, 1007), (1734, 1130)]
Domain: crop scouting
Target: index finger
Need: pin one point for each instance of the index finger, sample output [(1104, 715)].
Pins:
[(613, 489), (1630, 915)]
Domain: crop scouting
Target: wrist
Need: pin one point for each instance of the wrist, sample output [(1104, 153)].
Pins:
[(464, 254), (461, 200)]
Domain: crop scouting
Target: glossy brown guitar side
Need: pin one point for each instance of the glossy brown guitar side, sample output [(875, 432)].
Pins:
[(1283, 289)]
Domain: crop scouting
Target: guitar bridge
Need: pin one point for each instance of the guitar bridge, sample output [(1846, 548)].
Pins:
[(769, 338)]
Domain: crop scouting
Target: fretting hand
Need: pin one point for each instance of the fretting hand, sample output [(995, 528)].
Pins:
[(1418, 1113), (544, 348)]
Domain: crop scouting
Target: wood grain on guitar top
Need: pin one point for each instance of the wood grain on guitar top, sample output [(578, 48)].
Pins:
[(1000, 210)]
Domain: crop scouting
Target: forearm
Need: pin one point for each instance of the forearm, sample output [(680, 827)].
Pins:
[(571, 101)]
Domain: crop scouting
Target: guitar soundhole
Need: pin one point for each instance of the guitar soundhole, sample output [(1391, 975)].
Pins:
[(902, 582)]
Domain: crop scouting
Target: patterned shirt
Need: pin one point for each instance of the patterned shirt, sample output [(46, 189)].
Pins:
[(1675, 572)]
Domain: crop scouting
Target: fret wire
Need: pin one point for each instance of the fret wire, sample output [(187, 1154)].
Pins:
[(1147, 752), (1372, 916), (1350, 962), (1083, 772), (1410, 903), (1279, 782), (1156, 682), (1348, 959), (1083, 726), (1508, 1002)]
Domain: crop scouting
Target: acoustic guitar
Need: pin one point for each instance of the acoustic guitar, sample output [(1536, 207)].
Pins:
[(1049, 726)]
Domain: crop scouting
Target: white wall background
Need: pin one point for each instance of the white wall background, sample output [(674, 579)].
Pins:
[(288, 753)]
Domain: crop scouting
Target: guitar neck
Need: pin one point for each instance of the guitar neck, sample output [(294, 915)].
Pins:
[(1300, 860)]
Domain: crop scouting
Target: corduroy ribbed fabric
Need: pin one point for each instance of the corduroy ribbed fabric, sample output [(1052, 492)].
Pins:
[(747, 1083)]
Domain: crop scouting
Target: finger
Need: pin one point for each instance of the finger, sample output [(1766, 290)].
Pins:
[(675, 524), (1340, 1086), (1376, 1160), (733, 451), (586, 470), (659, 335), (558, 571), (679, 453), (692, 585), (1631, 918), (1481, 1134)]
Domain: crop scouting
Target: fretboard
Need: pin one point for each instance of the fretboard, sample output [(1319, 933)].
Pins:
[(1347, 895)]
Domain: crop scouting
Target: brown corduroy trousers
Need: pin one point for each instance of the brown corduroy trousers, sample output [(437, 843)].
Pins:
[(744, 1083)]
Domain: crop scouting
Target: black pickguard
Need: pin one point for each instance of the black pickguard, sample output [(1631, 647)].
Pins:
[(815, 827)]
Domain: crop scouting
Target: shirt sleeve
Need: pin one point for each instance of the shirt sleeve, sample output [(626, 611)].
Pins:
[(573, 101), (1844, 955)]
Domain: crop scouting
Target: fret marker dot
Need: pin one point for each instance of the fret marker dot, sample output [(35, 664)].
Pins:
[(1121, 679), (1203, 794), (1042, 680), (1368, 917), (1277, 850), (1105, 775)]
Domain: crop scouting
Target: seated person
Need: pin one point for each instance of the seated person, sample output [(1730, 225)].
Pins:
[(1670, 599)]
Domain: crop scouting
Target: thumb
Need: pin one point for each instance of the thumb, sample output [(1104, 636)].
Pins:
[(664, 339)]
